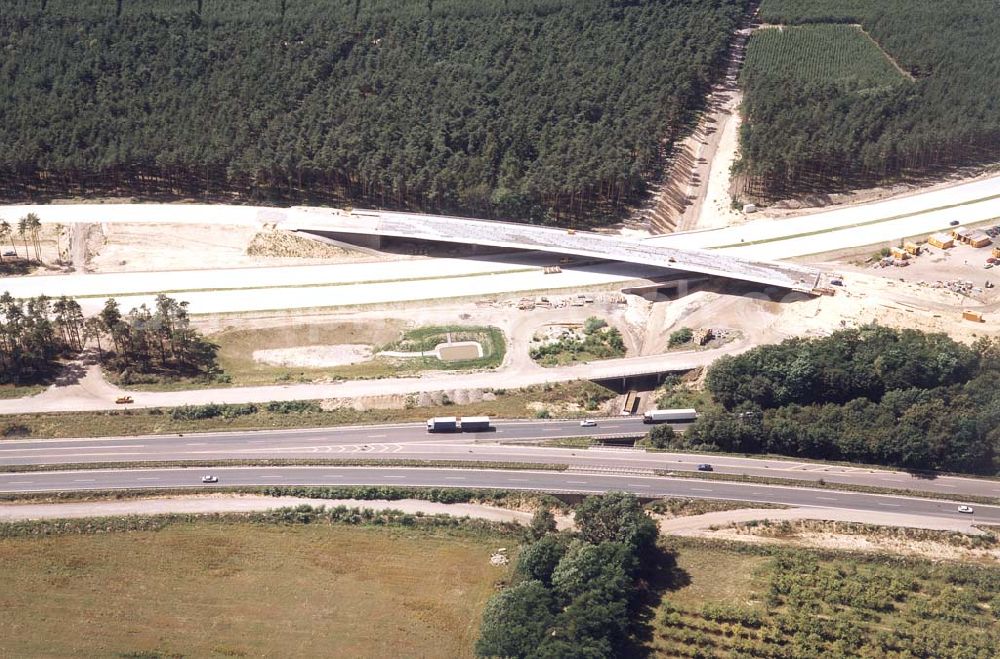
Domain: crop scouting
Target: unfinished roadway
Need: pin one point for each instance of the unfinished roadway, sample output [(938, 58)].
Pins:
[(508, 235)]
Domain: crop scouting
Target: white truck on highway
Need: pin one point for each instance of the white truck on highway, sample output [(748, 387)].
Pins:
[(669, 416), (454, 424)]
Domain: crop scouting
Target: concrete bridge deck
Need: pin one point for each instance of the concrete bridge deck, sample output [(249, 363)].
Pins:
[(561, 241)]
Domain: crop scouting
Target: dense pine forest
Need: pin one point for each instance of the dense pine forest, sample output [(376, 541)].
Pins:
[(813, 129), (537, 110)]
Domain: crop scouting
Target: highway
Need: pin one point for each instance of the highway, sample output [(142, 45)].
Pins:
[(412, 442), (484, 478)]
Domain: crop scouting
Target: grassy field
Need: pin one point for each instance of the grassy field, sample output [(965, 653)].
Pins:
[(10, 391), (512, 403), (772, 602), (236, 348), (211, 590), (839, 54)]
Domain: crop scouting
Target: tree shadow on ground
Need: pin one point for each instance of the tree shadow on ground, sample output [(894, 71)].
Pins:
[(69, 374), (660, 575)]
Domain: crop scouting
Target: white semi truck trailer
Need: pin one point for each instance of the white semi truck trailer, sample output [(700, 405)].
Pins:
[(669, 416), (454, 424)]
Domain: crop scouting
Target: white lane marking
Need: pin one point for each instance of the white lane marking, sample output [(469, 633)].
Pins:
[(20, 482), (945, 485), (577, 482), (636, 485), (518, 480), (196, 444), (454, 478), (394, 476), (272, 476), (84, 480), (890, 505), (827, 498), (376, 436), (698, 489), (611, 426), (154, 478)]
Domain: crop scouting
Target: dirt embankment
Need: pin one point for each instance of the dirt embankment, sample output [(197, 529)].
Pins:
[(122, 247), (227, 503)]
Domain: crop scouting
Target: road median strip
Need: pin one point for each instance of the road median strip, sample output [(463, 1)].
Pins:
[(277, 462)]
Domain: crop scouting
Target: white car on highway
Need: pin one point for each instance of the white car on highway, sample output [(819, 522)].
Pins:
[(965, 509), (588, 423), (209, 479)]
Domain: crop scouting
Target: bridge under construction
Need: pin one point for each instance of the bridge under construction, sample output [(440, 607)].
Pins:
[(467, 231)]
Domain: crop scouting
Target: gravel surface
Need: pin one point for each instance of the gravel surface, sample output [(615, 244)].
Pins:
[(222, 503), (699, 525)]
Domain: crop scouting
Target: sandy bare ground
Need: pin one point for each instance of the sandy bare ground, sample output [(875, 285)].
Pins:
[(701, 525), (712, 207), (720, 526), (315, 356), (695, 193), (372, 283), (138, 247), (226, 503)]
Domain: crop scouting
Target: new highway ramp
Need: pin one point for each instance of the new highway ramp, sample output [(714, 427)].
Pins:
[(596, 469)]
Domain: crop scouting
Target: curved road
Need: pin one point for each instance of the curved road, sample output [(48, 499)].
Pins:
[(483, 478)]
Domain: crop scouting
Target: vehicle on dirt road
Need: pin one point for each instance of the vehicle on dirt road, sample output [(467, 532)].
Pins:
[(124, 400)]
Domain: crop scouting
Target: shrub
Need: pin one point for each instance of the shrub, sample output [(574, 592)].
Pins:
[(293, 406), (680, 337)]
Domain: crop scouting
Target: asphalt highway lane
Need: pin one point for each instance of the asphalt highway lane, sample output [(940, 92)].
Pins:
[(645, 486), (412, 442)]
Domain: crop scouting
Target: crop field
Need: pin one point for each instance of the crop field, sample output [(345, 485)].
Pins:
[(827, 110), (838, 54), (209, 589), (795, 603)]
